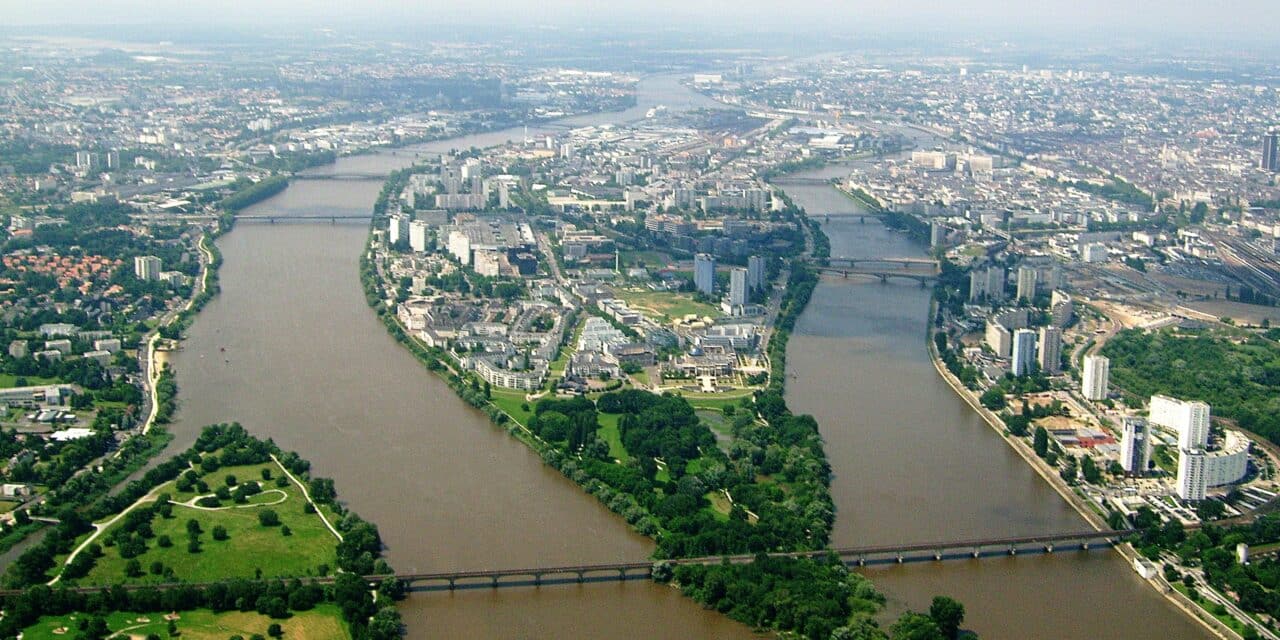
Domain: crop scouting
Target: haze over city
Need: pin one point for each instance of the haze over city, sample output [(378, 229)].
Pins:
[(859, 320)]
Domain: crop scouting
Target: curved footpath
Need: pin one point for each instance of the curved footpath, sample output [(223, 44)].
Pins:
[(1126, 550)]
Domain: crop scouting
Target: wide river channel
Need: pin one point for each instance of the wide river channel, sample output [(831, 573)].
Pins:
[(290, 349)]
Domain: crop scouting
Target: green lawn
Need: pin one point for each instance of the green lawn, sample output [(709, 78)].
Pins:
[(651, 259), (716, 401), (9, 381), (509, 400), (666, 304), (7, 505), (609, 433), (250, 546), (720, 506), (322, 623), (1224, 618)]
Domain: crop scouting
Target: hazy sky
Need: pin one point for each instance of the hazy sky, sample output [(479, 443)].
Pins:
[(1257, 18)]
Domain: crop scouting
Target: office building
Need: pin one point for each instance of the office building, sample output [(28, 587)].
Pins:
[(1189, 419), (146, 267), (737, 286), (418, 236), (756, 272), (1024, 352), (704, 273), (1192, 481), (397, 228), (1135, 446), (1095, 378), (1050, 355), (1271, 152), (1027, 283)]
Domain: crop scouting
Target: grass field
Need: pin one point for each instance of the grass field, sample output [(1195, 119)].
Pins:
[(609, 433), (510, 400), (322, 623), (716, 401), (8, 381), (650, 259), (666, 304), (250, 546)]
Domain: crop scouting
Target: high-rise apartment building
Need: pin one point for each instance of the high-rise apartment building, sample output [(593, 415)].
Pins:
[(1271, 152), (146, 267), (418, 236), (704, 273), (1189, 419), (1024, 352), (1027, 277), (1050, 355), (738, 287), (1096, 377), (1192, 481), (1135, 445), (756, 272)]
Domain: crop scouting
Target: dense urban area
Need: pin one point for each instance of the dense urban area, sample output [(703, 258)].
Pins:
[(613, 280)]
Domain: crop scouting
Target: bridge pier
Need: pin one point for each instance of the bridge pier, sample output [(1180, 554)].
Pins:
[(937, 555), (582, 576), (622, 573), (1084, 544), (1048, 548), (452, 584), (862, 560), (495, 582), (537, 579), (977, 552), (899, 557), (884, 279), (1013, 550)]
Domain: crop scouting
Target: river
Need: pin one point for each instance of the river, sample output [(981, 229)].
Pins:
[(290, 349), (913, 463)]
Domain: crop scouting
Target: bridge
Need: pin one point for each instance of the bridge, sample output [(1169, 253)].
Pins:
[(345, 175), (622, 571), (333, 218), (803, 181), (852, 556), (922, 270)]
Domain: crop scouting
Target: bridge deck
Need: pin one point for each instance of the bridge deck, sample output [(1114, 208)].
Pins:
[(631, 570)]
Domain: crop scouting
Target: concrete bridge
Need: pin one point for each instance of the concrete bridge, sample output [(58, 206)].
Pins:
[(332, 218), (803, 181), (619, 571), (902, 263), (852, 556), (884, 276), (346, 175)]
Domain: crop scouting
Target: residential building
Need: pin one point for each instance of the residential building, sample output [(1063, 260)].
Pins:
[(1096, 377), (1192, 481), (418, 236), (1024, 352), (704, 273), (1050, 354), (1027, 277), (146, 267), (738, 286), (1270, 152), (756, 272), (1135, 446), (999, 339), (1189, 419), (397, 228)]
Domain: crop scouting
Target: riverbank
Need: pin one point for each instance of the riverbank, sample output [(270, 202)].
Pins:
[(1078, 503)]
